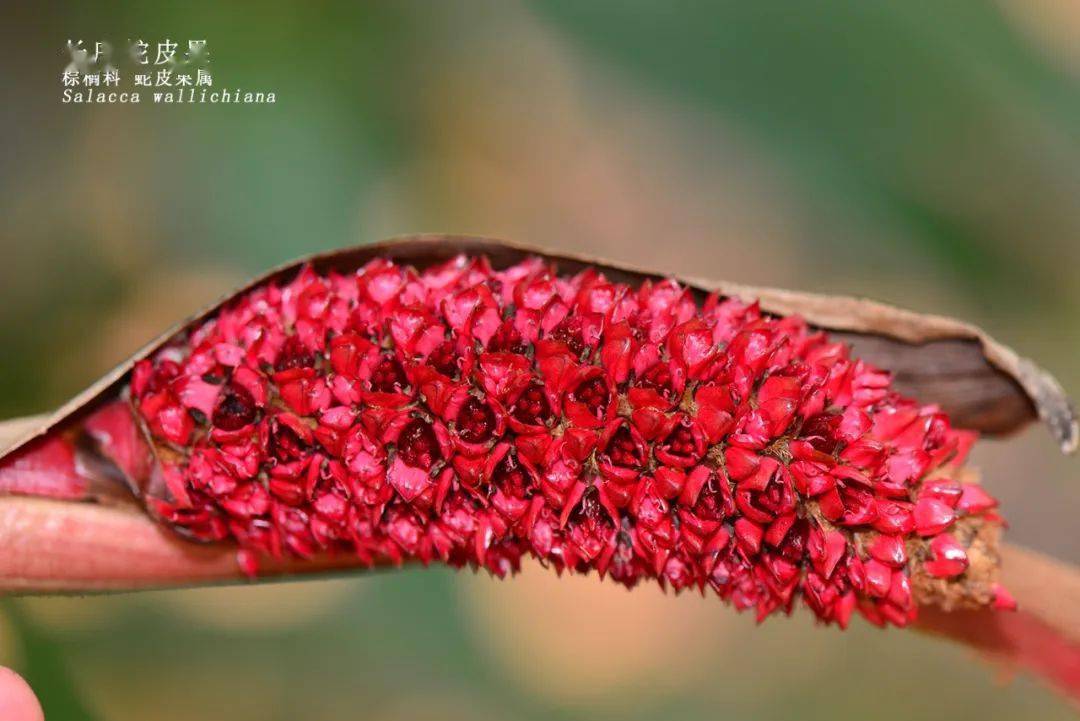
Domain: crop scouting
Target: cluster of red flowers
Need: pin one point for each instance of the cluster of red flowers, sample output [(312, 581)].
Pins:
[(473, 416)]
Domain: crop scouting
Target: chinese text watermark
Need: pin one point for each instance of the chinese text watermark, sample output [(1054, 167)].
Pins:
[(161, 72)]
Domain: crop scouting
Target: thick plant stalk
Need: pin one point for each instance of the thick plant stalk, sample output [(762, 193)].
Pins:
[(50, 546)]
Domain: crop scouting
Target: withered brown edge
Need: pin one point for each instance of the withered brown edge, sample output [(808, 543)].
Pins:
[(981, 383)]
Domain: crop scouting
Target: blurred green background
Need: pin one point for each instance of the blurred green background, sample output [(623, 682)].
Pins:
[(922, 153)]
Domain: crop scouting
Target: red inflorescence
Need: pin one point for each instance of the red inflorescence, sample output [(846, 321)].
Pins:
[(473, 416)]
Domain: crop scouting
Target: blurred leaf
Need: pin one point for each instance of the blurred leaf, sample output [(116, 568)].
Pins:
[(886, 111)]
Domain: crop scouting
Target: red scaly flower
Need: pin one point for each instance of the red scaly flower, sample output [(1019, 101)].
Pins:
[(475, 416)]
